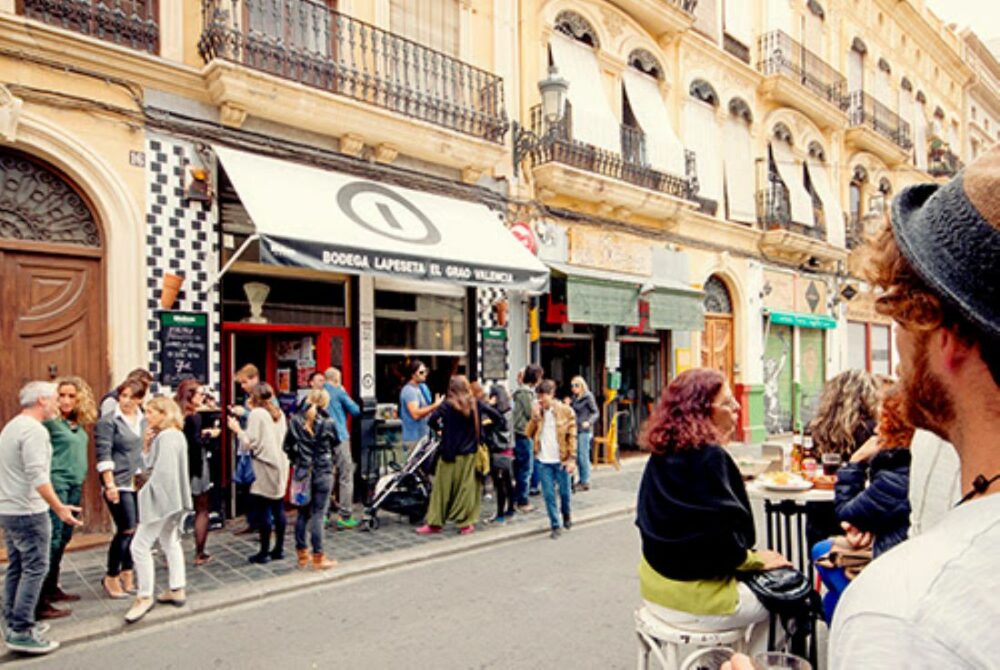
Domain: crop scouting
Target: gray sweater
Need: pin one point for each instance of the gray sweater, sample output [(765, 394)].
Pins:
[(168, 489), (25, 457), (264, 438), (118, 448)]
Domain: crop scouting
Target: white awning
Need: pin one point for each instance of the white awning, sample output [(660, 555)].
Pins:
[(738, 20), (702, 134), (325, 220), (739, 172), (819, 175), (790, 171), (664, 151), (593, 121)]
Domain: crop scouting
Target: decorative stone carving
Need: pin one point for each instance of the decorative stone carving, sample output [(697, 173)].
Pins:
[(572, 24), (782, 133), (385, 153), (738, 107), (859, 45), (351, 144), (613, 22), (717, 298), (816, 151), (37, 205), (231, 115), (471, 175), (10, 114), (646, 62), (704, 91)]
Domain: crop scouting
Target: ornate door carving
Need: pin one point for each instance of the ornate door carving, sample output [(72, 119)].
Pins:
[(717, 338)]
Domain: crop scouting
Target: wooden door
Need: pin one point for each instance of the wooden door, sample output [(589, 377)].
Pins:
[(717, 345), (50, 325)]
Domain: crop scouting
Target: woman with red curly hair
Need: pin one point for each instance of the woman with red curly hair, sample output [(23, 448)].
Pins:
[(694, 514)]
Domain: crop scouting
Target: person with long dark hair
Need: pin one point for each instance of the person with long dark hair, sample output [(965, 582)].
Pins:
[(190, 398), (264, 437), (415, 404), (118, 443), (457, 491), (694, 515)]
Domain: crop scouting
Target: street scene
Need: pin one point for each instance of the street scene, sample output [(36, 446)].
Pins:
[(499, 333)]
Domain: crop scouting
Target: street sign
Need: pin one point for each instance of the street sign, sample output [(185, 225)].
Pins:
[(612, 354)]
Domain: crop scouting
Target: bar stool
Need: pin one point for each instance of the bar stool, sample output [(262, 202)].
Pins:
[(664, 642)]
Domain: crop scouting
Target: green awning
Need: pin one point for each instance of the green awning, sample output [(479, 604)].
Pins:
[(802, 320), (677, 310), (601, 302)]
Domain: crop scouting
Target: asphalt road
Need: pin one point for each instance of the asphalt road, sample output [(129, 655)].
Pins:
[(532, 603)]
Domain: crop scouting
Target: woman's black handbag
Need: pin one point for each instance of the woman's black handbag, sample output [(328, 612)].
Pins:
[(787, 593)]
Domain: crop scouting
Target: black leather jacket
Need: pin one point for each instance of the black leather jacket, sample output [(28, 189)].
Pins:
[(312, 450)]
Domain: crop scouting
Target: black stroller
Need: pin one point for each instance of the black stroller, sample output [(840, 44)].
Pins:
[(406, 491)]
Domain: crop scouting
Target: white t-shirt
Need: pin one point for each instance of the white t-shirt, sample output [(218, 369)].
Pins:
[(935, 484), (548, 451), (930, 602)]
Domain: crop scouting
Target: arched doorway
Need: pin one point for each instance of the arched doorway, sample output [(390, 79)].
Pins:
[(717, 338), (51, 289)]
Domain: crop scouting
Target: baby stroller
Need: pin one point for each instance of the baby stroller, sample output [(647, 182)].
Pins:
[(406, 491)]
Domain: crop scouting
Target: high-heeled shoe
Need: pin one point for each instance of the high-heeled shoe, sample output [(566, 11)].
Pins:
[(113, 588)]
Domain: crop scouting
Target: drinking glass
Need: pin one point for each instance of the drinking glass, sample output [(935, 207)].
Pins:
[(776, 660), (831, 463)]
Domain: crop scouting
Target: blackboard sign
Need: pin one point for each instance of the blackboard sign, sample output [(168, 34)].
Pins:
[(494, 353), (183, 347)]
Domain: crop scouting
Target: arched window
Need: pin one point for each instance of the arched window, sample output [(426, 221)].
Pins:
[(572, 24), (704, 91), (885, 186), (738, 107), (816, 151), (717, 298), (782, 133), (645, 62)]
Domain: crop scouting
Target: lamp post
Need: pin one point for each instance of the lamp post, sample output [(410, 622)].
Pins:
[(553, 91)]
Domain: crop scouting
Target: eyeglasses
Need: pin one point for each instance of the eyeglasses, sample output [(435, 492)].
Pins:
[(575, 385)]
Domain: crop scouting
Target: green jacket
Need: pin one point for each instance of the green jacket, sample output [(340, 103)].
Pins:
[(69, 452), (523, 398)]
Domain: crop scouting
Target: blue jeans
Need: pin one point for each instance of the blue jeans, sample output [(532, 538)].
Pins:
[(550, 474), (534, 476), (835, 579), (524, 456), (310, 516), (27, 537), (583, 441)]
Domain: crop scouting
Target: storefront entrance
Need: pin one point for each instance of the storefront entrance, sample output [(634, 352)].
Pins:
[(642, 380)]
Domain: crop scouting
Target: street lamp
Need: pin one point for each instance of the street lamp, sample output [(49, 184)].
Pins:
[(553, 91)]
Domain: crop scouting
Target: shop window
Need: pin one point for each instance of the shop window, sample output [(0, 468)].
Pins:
[(812, 371), (432, 23), (778, 385), (419, 323), (869, 347), (289, 301)]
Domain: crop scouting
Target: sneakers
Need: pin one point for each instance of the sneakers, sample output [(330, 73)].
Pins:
[(525, 508), (428, 529), (30, 642), (555, 533), (500, 519), (347, 524), (467, 530)]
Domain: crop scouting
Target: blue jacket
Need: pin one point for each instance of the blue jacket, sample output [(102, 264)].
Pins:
[(340, 403), (883, 508)]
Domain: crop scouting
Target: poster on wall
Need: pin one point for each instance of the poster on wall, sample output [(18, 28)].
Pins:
[(778, 379)]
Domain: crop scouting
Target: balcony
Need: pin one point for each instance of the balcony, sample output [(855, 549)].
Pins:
[(128, 23), (876, 128), (564, 167), (787, 239), (943, 163), (297, 62), (664, 19), (797, 78)]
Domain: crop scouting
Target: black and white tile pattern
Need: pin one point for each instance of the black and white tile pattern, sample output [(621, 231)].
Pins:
[(486, 318)]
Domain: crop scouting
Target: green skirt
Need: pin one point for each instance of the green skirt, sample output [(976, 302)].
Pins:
[(456, 493)]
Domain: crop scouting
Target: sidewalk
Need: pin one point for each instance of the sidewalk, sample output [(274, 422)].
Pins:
[(230, 579)]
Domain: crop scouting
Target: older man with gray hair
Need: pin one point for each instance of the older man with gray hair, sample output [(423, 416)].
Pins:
[(341, 404), (25, 497)]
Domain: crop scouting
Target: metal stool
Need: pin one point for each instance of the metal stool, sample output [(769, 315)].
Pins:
[(664, 642)]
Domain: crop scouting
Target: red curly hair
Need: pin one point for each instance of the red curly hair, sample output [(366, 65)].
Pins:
[(683, 416), (893, 428)]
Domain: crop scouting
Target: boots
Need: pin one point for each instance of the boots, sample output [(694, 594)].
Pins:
[(321, 562), (128, 581), (304, 557)]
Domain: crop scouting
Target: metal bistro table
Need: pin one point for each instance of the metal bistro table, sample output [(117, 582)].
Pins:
[(785, 519)]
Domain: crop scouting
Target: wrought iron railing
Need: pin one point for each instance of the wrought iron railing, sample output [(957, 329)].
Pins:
[(774, 212), (307, 42), (780, 54), (864, 110), (558, 146), (687, 5), (733, 46), (855, 233), (943, 164), (130, 23)]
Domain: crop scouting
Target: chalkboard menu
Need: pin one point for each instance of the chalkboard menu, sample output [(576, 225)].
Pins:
[(494, 353), (183, 347)]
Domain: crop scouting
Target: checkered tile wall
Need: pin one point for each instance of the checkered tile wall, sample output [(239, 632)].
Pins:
[(486, 318), (181, 238)]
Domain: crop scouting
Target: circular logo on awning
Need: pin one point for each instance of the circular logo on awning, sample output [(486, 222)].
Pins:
[(386, 212)]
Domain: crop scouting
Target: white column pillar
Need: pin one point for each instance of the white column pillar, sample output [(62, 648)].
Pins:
[(366, 335)]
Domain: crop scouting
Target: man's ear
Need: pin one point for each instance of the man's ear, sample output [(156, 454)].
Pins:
[(955, 350)]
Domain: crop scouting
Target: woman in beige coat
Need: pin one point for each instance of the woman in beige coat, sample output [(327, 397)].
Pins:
[(263, 438)]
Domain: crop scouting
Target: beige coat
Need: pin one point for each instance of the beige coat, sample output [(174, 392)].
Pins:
[(264, 438), (565, 431)]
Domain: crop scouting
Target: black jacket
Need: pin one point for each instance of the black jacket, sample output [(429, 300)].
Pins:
[(883, 507), (312, 451), (458, 432), (694, 514), (585, 408), (197, 443)]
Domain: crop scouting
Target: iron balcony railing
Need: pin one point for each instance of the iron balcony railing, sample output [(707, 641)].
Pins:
[(943, 164), (780, 54), (558, 146), (864, 110), (774, 212), (307, 42), (130, 23)]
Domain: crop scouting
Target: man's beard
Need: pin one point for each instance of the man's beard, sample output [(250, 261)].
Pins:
[(928, 404)]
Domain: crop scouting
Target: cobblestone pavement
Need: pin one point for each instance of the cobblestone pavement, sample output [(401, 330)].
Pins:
[(82, 570)]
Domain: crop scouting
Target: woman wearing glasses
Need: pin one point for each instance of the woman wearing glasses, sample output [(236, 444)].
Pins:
[(587, 414)]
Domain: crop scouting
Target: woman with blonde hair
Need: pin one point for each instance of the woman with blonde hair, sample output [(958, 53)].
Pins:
[(310, 444), (587, 414), (264, 437), (68, 433), (163, 501), (457, 491)]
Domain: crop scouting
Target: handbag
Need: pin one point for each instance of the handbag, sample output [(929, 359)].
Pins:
[(787, 593), (300, 492), (482, 464), (243, 473)]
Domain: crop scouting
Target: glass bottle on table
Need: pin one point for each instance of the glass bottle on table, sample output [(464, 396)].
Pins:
[(795, 463), (809, 462)]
